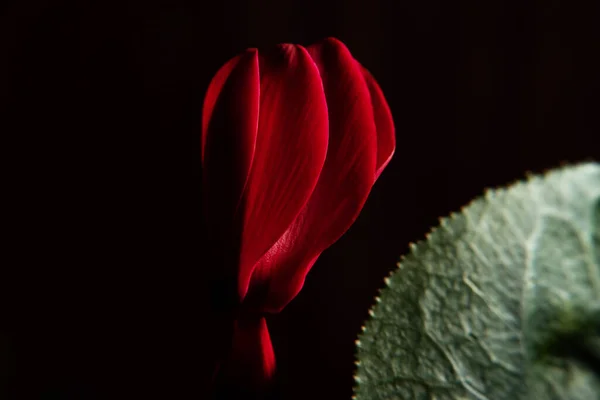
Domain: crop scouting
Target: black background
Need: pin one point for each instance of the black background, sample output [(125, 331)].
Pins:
[(104, 280)]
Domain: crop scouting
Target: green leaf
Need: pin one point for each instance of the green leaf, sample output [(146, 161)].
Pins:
[(502, 301)]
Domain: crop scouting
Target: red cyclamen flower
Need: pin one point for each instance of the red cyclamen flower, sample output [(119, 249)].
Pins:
[(293, 139)]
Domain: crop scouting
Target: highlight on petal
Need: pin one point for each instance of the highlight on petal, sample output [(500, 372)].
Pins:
[(229, 128), (291, 146), (343, 187), (386, 135)]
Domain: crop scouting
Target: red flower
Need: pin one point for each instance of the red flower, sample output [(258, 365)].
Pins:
[(293, 139)]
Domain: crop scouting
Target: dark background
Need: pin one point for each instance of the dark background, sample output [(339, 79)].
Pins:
[(103, 281)]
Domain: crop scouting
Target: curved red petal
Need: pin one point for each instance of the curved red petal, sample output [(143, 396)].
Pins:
[(290, 151), (386, 136), (343, 187), (251, 362), (229, 127)]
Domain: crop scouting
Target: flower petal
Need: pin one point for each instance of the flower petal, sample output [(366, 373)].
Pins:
[(229, 128), (386, 136), (251, 361), (290, 151), (343, 187)]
